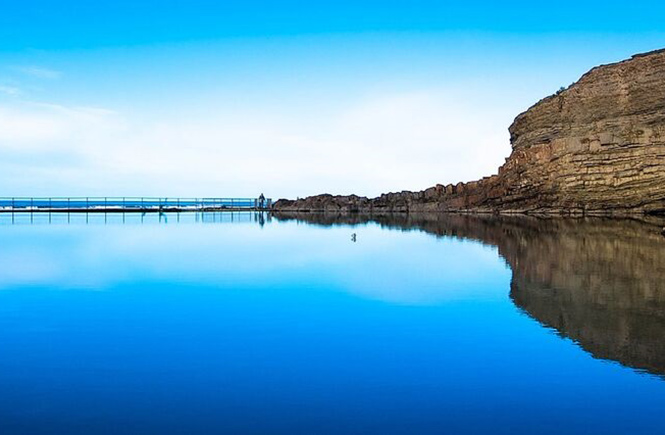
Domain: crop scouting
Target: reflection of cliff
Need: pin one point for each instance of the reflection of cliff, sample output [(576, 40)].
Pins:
[(600, 282), (601, 285)]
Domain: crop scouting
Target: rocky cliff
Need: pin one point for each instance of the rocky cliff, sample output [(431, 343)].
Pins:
[(597, 147)]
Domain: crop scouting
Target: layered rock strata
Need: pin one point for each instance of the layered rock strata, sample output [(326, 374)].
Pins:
[(597, 147)]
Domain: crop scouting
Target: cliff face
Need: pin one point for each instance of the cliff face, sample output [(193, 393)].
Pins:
[(596, 281), (597, 147)]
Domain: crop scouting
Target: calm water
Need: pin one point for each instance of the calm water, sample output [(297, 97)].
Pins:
[(239, 323)]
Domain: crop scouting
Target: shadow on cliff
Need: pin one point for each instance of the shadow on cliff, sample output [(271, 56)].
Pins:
[(599, 282)]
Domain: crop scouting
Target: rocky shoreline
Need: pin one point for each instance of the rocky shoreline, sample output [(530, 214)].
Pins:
[(595, 148)]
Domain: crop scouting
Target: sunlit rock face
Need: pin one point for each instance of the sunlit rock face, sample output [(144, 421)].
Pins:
[(597, 147), (599, 282)]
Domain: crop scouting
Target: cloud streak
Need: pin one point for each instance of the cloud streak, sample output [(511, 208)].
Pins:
[(39, 72), (10, 90)]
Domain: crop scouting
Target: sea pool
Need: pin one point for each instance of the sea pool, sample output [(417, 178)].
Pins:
[(320, 324)]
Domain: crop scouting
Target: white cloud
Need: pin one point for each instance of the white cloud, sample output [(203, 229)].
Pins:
[(39, 72), (10, 90), (393, 142), (42, 127)]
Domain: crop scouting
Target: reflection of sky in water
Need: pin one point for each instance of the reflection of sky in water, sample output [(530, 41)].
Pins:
[(285, 328), (376, 267)]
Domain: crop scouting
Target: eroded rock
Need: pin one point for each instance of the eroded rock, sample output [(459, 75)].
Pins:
[(597, 147)]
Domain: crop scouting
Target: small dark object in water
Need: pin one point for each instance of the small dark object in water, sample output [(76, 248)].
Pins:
[(353, 236)]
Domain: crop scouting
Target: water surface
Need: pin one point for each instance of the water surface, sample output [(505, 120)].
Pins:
[(243, 323)]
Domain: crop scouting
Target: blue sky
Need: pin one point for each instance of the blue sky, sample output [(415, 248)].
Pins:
[(77, 24), (290, 98)]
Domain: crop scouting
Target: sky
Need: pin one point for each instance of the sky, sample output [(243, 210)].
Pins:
[(291, 98)]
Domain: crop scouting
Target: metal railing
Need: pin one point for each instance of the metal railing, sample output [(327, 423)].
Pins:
[(259, 217), (129, 204)]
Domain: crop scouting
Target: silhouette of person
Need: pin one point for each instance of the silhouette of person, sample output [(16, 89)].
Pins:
[(262, 199)]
